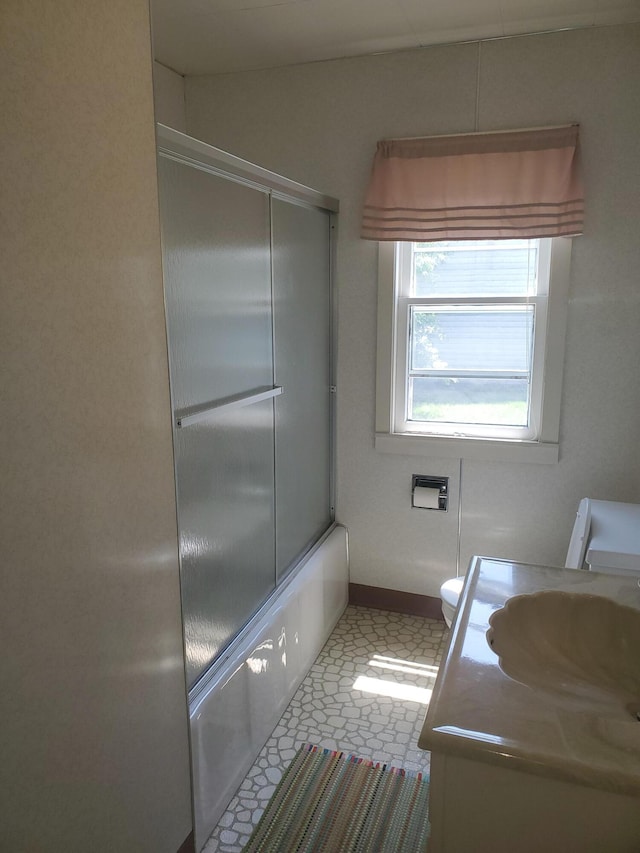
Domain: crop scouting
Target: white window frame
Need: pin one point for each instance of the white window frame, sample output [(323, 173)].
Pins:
[(541, 442)]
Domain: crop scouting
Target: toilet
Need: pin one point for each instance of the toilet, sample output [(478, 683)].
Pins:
[(605, 538), (450, 595)]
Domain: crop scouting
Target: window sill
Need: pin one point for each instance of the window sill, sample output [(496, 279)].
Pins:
[(482, 449)]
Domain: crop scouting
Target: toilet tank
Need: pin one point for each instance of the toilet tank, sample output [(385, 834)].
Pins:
[(614, 539)]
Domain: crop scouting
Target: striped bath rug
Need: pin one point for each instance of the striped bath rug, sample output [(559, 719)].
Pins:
[(338, 803)]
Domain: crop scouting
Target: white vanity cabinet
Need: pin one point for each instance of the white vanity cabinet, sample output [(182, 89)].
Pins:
[(476, 807), (517, 769)]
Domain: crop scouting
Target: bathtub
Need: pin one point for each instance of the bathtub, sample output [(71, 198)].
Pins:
[(234, 712)]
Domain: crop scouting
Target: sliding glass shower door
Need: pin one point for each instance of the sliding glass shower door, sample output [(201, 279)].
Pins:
[(302, 328), (247, 288), (218, 301)]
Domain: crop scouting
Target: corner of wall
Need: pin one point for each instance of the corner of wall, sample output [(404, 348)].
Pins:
[(169, 97)]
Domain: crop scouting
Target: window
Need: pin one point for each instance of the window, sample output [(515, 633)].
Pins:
[(471, 338), (472, 317)]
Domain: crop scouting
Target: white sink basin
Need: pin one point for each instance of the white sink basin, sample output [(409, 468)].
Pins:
[(572, 646)]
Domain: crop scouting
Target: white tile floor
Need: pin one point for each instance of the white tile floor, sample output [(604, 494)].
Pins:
[(366, 693)]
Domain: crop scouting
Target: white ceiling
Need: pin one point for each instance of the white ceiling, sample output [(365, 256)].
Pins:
[(214, 36)]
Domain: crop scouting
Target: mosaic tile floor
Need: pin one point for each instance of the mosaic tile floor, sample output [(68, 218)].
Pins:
[(367, 693)]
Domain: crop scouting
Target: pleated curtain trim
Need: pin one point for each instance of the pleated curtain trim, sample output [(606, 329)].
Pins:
[(479, 186)]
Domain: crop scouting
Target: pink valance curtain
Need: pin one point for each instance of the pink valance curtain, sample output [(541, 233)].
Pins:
[(477, 186)]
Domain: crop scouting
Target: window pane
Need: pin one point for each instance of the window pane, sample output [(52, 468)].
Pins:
[(502, 402), (475, 268), (471, 338)]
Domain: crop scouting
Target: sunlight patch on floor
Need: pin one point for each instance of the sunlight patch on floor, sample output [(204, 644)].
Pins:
[(426, 670), (380, 687)]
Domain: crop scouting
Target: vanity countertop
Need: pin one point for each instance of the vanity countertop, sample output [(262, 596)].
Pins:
[(480, 713)]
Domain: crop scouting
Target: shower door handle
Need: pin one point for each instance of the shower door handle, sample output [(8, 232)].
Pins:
[(226, 405)]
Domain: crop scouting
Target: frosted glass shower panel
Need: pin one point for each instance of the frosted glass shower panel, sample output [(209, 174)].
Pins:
[(217, 270), (216, 255), (226, 511), (302, 331)]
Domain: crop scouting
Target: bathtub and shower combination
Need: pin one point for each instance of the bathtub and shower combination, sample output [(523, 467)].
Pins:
[(247, 261)]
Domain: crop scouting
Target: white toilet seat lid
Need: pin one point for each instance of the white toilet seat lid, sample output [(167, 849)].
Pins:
[(450, 591)]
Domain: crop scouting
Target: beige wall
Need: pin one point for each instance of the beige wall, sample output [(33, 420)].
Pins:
[(318, 123), (94, 722)]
